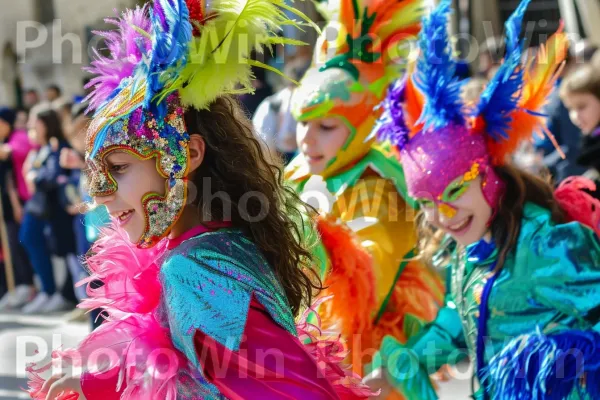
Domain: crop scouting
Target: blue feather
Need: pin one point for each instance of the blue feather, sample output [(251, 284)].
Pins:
[(172, 33), (502, 93), (545, 367), (435, 72)]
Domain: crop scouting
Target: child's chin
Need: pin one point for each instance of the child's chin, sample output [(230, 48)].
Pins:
[(133, 235), (315, 169)]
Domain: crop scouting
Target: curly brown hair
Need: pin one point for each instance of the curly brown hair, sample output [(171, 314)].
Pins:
[(256, 201), (521, 187)]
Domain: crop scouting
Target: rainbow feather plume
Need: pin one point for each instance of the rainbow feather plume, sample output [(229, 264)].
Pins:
[(434, 75), (127, 46)]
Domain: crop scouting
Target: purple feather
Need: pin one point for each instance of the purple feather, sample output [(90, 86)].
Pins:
[(392, 126), (126, 46), (160, 15)]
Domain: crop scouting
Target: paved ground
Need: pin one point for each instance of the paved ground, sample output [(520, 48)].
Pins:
[(19, 337)]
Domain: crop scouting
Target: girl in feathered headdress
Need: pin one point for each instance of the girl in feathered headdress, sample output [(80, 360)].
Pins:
[(364, 47), (524, 260), (203, 271)]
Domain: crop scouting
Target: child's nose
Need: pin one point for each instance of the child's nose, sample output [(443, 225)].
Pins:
[(103, 200), (309, 136)]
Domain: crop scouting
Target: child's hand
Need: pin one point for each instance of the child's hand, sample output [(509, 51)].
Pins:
[(74, 209), (30, 177), (5, 151), (18, 214), (61, 383), (444, 374), (377, 381)]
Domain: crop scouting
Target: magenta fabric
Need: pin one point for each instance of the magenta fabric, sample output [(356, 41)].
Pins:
[(21, 146), (244, 374), (286, 371), (196, 231), (101, 386), (270, 364)]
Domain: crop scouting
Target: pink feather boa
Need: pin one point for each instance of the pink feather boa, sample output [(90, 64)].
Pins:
[(132, 338), (136, 341)]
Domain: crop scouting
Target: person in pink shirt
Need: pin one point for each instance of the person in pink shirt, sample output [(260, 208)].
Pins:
[(14, 148)]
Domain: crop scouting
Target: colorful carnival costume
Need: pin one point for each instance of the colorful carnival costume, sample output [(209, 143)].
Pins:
[(179, 309), (390, 293), (518, 323)]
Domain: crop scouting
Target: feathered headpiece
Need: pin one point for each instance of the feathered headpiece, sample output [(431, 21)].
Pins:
[(439, 138), (350, 74), (165, 58)]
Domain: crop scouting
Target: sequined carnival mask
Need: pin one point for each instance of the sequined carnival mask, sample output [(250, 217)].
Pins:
[(123, 125)]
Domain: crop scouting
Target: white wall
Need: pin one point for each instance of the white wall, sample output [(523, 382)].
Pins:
[(59, 60), (11, 12)]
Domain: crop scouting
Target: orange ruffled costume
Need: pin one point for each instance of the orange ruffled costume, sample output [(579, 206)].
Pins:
[(367, 228)]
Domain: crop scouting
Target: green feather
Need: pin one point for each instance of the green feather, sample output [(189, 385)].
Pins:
[(219, 59), (259, 64)]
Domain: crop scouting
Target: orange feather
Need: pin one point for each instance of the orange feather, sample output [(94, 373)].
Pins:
[(539, 80)]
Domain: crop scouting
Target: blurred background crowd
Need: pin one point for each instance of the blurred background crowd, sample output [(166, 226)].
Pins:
[(44, 217)]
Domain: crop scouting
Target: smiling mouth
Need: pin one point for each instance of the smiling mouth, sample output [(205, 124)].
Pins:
[(460, 228), (313, 159), (124, 216)]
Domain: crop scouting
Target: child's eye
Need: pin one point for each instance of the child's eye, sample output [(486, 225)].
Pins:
[(327, 127), (117, 168), (456, 192)]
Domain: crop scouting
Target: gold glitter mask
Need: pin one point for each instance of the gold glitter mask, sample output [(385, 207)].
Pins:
[(124, 125)]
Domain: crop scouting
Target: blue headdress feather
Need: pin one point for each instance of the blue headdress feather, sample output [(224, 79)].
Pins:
[(501, 96), (435, 73), (172, 33)]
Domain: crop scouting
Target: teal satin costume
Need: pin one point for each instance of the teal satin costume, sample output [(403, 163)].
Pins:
[(547, 291)]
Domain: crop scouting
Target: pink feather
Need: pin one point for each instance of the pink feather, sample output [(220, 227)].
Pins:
[(130, 274), (127, 47), (577, 204), (132, 333)]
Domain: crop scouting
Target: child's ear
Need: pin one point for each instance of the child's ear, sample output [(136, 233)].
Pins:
[(197, 146)]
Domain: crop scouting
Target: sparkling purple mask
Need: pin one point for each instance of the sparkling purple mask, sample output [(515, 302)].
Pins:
[(432, 161)]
